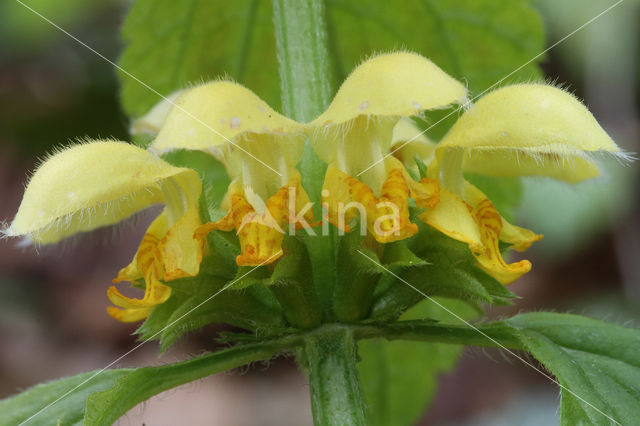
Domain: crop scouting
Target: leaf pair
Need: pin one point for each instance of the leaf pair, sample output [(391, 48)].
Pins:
[(595, 362)]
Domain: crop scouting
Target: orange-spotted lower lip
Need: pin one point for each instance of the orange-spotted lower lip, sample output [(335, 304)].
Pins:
[(165, 253), (255, 259), (387, 216), (261, 234), (478, 224)]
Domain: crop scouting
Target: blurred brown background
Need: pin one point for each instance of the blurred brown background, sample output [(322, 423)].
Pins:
[(52, 304)]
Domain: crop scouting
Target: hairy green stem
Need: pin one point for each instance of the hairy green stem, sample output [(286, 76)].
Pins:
[(495, 335), (331, 360), (330, 355), (301, 41), (306, 83)]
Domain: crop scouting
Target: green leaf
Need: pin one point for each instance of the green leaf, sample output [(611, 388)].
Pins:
[(105, 407), (209, 298), (154, 324), (59, 402), (450, 271), (399, 378), (252, 309), (447, 279), (170, 44), (596, 362), (292, 284), (357, 276), (248, 276), (446, 255), (397, 256), (108, 394), (477, 41), (224, 247)]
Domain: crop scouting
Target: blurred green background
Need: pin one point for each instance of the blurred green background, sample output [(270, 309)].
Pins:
[(52, 302)]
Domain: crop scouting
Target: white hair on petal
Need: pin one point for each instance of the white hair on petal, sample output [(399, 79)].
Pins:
[(4, 230), (84, 216), (562, 155)]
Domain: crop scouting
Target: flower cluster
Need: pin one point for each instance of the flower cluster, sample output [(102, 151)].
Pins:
[(369, 143)]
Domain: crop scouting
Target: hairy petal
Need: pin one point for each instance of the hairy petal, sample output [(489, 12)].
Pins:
[(152, 121), (356, 131), (398, 84), (261, 233), (386, 217), (147, 264), (229, 121), (96, 184), (528, 130), (477, 223), (209, 115)]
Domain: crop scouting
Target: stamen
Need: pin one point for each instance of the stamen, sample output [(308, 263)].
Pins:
[(386, 216), (261, 233)]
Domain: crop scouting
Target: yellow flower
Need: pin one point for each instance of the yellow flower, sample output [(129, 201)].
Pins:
[(410, 143), (355, 133), (103, 182), (152, 121), (259, 148), (519, 130)]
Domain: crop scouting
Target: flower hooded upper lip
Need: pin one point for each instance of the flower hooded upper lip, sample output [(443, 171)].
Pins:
[(527, 130), (103, 182), (355, 133), (96, 184), (518, 130), (259, 149)]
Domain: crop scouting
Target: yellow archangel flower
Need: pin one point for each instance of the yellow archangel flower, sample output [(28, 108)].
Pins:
[(515, 131), (259, 148), (355, 133), (103, 182), (519, 130)]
